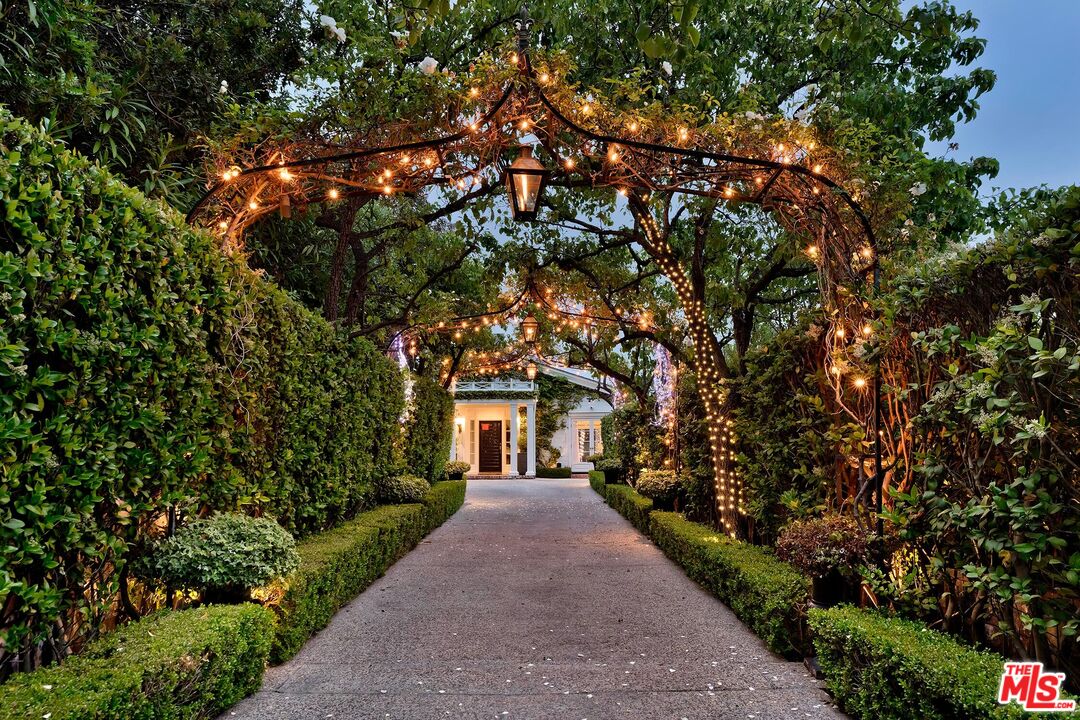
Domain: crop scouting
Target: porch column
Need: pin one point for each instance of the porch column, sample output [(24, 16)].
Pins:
[(530, 430), (453, 440), (513, 440)]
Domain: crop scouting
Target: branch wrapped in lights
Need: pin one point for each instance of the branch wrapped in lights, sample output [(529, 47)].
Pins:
[(466, 141)]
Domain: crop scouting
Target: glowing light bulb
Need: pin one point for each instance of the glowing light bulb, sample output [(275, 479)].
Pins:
[(333, 194), (474, 92), (817, 168), (543, 77), (586, 108), (860, 382), (569, 163)]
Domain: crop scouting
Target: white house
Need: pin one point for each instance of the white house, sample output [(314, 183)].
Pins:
[(488, 416)]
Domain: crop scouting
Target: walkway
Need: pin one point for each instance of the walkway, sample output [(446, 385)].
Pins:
[(535, 600)]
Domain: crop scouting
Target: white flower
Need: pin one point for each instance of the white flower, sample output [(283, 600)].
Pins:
[(340, 32), (667, 67), (428, 65), (223, 87), (327, 21), (918, 189)]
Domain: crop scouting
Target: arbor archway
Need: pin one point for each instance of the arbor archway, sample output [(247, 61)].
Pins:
[(463, 143)]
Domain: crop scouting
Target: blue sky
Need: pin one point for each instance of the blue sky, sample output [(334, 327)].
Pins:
[(1029, 120)]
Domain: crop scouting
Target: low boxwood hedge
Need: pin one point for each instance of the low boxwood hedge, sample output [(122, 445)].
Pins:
[(336, 566), (598, 481), (183, 664), (767, 594), (882, 667), (555, 472), (630, 505)]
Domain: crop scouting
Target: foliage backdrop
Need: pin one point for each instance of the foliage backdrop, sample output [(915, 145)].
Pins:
[(141, 369)]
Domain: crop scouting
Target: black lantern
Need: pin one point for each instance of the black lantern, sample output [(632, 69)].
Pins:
[(530, 371), (525, 180), (529, 328)]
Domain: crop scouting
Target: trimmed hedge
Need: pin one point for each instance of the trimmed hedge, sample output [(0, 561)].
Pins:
[(185, 664), (429, 430), (630, 505), (143, 368), (767, 594), (335, 566), (598, 481), (555, 472), (888, 668)]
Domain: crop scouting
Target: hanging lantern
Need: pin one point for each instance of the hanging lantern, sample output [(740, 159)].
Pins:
[(525, 180), (529, 328), (530, 371)]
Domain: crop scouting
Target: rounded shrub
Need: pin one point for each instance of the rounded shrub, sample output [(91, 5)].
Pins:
[(819, 546), (456, 469), (660, 486), (224, 556), (402, 489)]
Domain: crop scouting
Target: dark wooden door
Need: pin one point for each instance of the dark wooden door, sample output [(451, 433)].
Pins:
[(491, 443)]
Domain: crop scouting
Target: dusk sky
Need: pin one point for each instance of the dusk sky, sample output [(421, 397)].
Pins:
[(1029, 120)]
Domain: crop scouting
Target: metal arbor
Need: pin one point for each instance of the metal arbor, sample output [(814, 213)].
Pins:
[(468, 145)]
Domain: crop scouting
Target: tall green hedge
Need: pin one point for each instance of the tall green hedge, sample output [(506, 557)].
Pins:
[(429, 430), (142, 368)]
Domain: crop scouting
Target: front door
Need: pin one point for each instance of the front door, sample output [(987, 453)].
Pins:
[(491, 443)]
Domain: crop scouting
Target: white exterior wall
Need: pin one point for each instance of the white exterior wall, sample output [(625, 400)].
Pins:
[(591, 412)]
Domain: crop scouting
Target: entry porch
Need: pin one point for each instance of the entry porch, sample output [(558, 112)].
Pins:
[(489, 419)]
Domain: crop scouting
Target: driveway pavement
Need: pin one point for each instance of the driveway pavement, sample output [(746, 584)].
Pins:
[(535, 600)]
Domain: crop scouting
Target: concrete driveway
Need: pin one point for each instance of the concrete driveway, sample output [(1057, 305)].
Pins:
[(536, 600)]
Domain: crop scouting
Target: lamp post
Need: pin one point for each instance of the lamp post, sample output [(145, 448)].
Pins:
[(525, 179)]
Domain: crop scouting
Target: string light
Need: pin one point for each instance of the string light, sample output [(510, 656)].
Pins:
[(333, 194)]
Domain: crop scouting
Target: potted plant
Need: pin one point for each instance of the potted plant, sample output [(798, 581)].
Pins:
[(830, 550), (612, 469), (456, 469)]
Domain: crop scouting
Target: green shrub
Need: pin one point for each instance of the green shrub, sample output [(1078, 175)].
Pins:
[(185, 664), (660, 486), (765, 593), (429, 429), (457, 467), (226, 556), (399, 489), (820, 545), (630, 505), (335, 566), (880, 667), (142, 368), (598, 481), (554, 472)]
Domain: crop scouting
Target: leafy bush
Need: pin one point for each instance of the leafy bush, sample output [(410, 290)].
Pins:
[(184, 664), (630, 505), (457, 467), (879, 667), (225, 556), (819, 545), (401, 489), (335, 566), (429, 429), (767, 594), (607, 462), (141, 368), (660, 486), (553, 472)]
